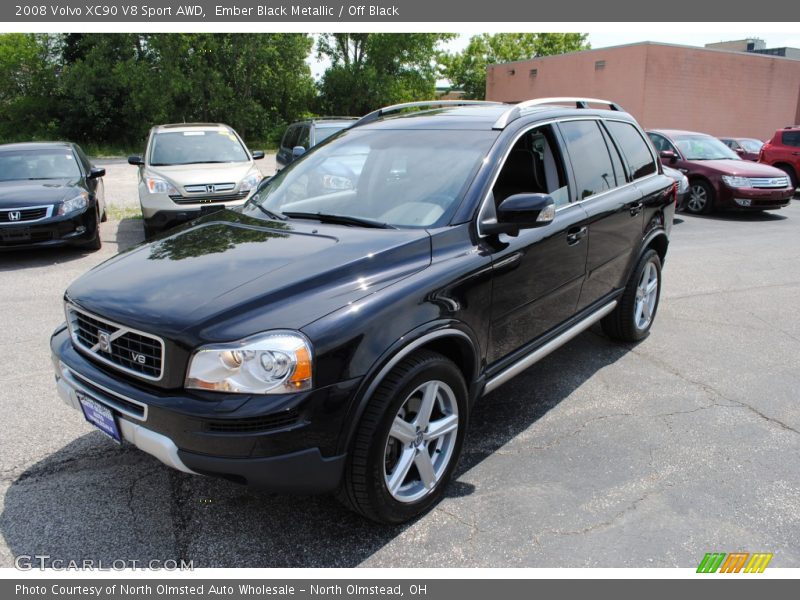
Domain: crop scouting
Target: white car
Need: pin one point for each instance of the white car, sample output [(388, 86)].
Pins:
[(189, 169)]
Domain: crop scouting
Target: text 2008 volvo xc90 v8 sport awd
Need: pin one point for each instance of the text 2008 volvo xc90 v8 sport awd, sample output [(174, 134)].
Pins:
[(333, 334)]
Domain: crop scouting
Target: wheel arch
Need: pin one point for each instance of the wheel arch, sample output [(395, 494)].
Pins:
[(452, 341)]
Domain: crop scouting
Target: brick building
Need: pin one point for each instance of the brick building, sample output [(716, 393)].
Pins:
[(666, 86)]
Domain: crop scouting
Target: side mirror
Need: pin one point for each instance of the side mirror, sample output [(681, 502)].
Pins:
[(298, 151), (257, 154), (135, 160), (96, 172), (522, 211), (668, 155)]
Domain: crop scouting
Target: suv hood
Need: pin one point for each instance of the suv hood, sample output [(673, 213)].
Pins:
[(229, 276), (18, 193), (183, 175), (743, 168)]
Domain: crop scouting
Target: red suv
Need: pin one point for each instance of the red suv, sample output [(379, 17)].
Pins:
[(783, 151)]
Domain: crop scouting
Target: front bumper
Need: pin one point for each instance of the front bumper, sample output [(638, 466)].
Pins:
[(55, 231), (754, 198), (281, 443), (161, 211)]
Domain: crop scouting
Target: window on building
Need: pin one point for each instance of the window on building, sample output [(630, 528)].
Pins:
[(599, 64)]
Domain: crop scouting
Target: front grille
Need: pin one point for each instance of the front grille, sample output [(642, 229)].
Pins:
[(21, 215), (206, 199), (769, 182), (210, 188), (256, 424), (126, 349)]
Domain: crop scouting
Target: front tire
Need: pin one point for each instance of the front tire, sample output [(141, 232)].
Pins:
[(701, 198), (634, 315), (408, 441), (792, 175)]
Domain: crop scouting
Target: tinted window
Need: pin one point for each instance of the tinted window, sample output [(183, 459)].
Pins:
[(616, 159), (661, 143), (791, 138), (634, 148), (290, 138), (590, 160), (303, 140)]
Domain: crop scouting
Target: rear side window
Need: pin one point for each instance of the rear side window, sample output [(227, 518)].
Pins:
[(791, 138), (591, 162), (634, 148)]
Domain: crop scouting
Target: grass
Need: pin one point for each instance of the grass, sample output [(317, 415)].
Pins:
[(118, 213)]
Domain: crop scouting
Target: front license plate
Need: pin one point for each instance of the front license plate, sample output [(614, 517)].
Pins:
[(100, 416), (15, 234)]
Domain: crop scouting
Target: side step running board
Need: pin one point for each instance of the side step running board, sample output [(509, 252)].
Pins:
[(542, 351)]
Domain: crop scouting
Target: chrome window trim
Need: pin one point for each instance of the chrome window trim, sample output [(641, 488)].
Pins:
[(48, 214), (80, 382), (525, 130), (89, 352)]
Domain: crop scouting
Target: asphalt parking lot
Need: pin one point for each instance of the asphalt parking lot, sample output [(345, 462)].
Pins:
[(600, 455)]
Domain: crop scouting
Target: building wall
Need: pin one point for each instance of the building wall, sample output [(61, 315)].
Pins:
[(721, 93)]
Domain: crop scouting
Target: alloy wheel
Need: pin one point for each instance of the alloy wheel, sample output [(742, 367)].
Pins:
[(646, 296), (421, 441), (698, 198)]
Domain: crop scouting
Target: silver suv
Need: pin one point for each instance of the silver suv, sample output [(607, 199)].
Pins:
[(190, 169)]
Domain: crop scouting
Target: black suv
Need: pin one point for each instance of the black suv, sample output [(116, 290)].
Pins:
[(300, 137), (333, 333)]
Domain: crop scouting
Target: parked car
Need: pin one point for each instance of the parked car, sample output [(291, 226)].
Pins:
[(718, 178), (190, 169), (300, 137), (746, 148), (683, 186), (783, 152), (336, 341), (50, 195)]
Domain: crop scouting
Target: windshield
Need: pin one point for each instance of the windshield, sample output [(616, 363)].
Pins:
[(402, 178), (751, 145), (196, 146), (704, 147), (326, 131), (55, 163)]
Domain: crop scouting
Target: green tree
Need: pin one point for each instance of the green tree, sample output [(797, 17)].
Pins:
[(369, 70), (466, 70), (28, 66)]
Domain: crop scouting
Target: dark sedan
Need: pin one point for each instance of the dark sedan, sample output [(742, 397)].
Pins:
[(747, 148), (50, 195), (718, 178)]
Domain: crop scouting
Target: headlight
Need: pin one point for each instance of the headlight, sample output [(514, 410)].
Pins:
[(249, 182), (736, 181), (276, 362), (159, 186), (75, 204)]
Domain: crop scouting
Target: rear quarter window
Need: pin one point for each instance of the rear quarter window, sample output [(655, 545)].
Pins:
[(791, 138), (634, 148)]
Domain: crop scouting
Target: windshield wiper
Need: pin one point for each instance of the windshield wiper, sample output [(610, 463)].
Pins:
[(270, 214), (339, 219)]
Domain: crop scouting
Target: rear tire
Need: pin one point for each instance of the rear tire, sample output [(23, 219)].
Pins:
[(790, 172), (636, 309), (403, 454)]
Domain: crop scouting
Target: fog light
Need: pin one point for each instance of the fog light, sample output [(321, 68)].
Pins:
[(80, 229), (743, 201)]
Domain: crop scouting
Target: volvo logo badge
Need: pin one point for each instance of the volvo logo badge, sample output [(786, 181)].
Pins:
[(103, 341), (14, 215)]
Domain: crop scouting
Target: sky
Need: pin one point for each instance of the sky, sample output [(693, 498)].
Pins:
[(689, 34)]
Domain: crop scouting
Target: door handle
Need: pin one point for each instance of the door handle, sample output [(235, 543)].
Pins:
[(636, 209), (575, 235)]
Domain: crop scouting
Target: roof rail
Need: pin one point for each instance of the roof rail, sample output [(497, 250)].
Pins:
[(515, 112), (332, 118), (377, 114)]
